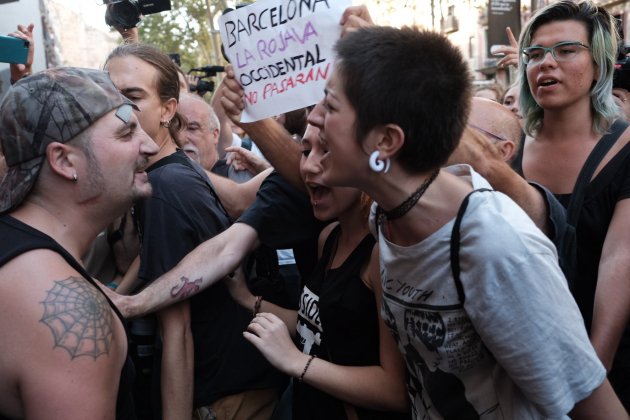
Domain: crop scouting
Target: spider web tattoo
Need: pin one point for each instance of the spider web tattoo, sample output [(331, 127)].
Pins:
[(79, 318)]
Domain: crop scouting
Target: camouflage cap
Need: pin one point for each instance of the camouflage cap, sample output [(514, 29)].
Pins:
[(49, 106)]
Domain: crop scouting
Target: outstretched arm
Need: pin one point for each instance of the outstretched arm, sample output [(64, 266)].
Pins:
[(201, 268), (234, 196), (246, 160), (477, 151), (225, 133), (271, 138)]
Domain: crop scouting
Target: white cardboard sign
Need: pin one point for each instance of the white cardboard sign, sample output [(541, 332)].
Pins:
[(282, 52)]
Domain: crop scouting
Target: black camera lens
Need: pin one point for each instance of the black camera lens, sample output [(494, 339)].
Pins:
[(124, 14), (203, 86)]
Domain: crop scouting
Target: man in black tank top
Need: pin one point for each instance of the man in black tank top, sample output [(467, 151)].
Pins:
[(75, 157)]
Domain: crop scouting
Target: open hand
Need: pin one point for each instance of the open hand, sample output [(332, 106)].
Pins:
[(271, 337), (20, 70)]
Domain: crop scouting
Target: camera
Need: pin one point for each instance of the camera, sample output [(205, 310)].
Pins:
[(126, 13), (621, 75), (204, 86)]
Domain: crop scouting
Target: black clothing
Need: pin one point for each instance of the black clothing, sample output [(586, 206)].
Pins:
[(601, 196), (183, 212), (283, 218), (556, 210), (337, 322), (18, 238)]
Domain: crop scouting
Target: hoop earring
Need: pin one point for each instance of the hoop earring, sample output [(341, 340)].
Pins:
[(378, 165)]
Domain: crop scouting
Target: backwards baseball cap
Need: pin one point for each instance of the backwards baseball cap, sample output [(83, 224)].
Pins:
[(54, 105)]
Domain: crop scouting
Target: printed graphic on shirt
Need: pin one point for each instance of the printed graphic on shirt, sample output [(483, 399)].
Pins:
[(441, 348), (309, 327)]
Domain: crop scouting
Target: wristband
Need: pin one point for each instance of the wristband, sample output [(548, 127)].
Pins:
[(308, 363)]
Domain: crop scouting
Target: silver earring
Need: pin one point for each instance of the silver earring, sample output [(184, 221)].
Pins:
[(165, 124), (378, 165), (75, 178)]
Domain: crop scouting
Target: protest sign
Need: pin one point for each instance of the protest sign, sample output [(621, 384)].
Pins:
[(281, 52)]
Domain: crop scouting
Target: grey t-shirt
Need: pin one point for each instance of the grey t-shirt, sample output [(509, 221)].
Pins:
[(517, 348)]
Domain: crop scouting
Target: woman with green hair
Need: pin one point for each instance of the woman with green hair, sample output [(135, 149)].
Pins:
[(566, 70)]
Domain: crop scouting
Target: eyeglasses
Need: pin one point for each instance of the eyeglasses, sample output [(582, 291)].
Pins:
[(561, 52), (496, 137)]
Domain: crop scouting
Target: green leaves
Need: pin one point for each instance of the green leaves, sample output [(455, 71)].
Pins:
[(189, 29)]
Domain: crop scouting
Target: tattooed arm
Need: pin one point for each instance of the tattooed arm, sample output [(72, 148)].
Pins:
[(60, 339), (201, 268)]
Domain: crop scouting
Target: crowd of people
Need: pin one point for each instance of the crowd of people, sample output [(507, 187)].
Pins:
[(408, 247)]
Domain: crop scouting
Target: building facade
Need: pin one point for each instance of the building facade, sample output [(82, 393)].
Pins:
[(472, 25), (67, 33)]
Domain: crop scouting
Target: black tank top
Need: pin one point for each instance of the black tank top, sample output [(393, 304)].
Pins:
[(349, 323), (601, 195), (16, 238)]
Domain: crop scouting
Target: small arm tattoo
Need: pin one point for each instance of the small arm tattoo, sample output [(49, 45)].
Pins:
[(79, 318), (186, 288)]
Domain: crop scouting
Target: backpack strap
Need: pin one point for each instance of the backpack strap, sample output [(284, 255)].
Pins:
[(567, 248), (586, 173), (455, 238)]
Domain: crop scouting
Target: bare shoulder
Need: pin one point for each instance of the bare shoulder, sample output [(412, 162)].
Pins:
[(62, 305), (53, 320)]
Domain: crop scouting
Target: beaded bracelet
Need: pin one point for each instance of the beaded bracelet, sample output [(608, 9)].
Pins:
[(308, 363), (259, 300)]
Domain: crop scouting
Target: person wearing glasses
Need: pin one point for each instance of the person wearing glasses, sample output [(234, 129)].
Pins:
[(566, 72), (476, 303), (498, 124)]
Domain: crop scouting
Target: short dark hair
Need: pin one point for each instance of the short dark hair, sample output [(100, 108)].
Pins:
[(413, 78)]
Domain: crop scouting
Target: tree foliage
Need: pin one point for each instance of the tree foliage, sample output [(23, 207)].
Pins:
[(189, 29)]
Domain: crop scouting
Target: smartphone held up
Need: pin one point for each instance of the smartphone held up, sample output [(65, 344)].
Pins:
[(13, 50)]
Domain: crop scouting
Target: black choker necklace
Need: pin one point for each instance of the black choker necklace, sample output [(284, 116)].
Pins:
[(408, 204)]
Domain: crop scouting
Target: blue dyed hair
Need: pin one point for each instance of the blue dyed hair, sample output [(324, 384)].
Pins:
[(603, 39)]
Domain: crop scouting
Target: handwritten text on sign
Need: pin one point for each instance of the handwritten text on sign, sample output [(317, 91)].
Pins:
[(282, 52)]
